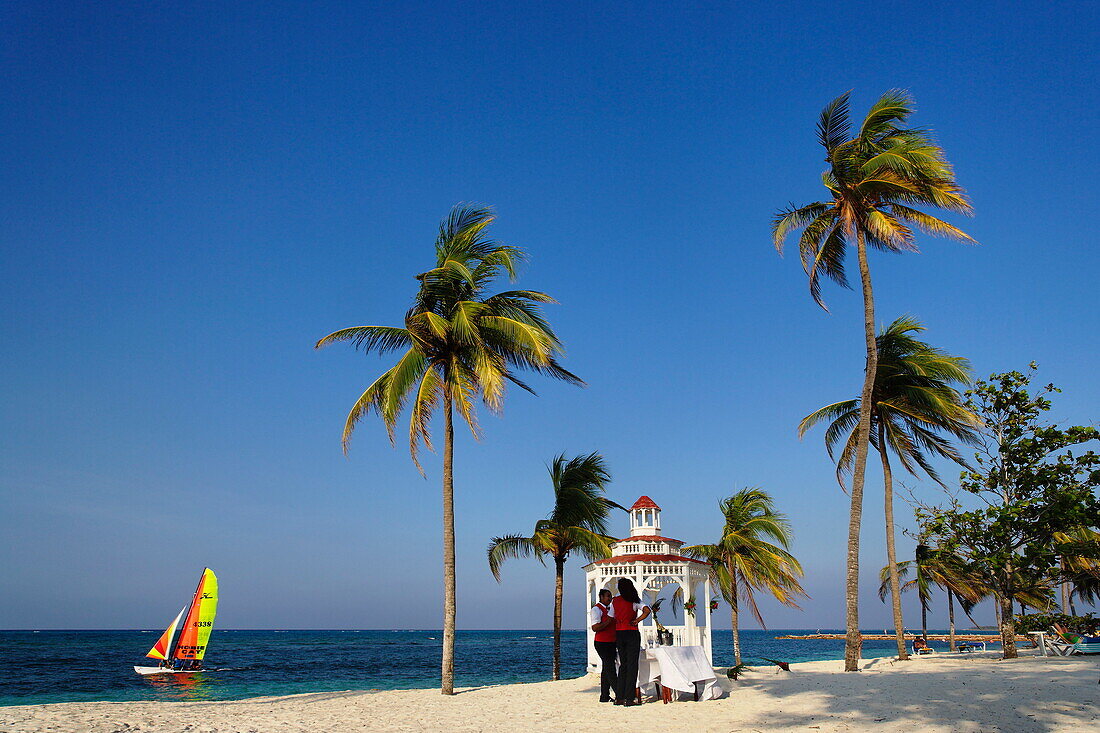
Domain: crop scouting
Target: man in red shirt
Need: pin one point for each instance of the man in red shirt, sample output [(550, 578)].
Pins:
[(604, 626)]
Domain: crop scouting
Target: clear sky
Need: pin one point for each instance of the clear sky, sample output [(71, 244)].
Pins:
[(192, 194)]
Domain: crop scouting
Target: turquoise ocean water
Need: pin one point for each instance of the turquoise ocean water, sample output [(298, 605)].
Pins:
[(69, 666)]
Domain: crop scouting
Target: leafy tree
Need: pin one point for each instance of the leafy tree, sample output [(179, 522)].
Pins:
[(876, 176), (1086, 625), (459, 343), (1033, 487), (577, 524), (915, 411), (752, 555)]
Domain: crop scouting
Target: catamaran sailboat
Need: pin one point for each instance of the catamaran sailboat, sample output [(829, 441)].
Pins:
[(181, 648)]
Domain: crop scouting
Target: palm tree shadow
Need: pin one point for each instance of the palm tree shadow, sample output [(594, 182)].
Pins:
[(1036, 698)]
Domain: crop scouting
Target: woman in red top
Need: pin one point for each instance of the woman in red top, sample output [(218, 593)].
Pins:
[(628, 610)]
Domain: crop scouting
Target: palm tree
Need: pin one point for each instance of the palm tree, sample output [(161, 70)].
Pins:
[(458, 344), (752, 555), (935, 567), (874, 179), (915, 411), (577, 524), (1079, 566)]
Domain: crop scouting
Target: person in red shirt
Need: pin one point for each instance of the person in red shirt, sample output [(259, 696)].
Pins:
[(628, 611), (604, 626)]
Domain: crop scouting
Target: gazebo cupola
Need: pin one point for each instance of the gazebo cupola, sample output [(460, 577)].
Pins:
[(645, 518)]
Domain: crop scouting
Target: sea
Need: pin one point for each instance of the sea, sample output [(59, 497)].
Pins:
[(72, 666)]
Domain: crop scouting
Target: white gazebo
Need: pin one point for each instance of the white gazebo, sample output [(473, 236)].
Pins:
[(653, 562)]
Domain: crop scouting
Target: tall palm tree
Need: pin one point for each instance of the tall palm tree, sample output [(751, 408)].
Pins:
[(577, 524), (915, 411), (876, 175), (459, 343), (752, 555)]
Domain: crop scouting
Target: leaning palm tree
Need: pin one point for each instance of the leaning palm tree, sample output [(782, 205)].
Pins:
[(876, 175), (459, 343), (577, 524), (752, 555), (915, 412)]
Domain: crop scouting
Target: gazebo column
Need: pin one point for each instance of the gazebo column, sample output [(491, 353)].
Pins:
[(590, 635), (708, 633)]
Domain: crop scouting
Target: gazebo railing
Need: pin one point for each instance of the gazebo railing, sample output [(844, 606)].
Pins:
[(681, 635)]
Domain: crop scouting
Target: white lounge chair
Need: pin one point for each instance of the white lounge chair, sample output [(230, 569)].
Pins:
[(1063, 647)]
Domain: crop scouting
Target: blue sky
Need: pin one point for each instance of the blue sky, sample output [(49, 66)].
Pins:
[(191, 196)]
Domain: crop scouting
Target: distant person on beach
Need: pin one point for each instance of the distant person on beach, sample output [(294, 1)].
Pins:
[(601, 621), (919, 644), (628, 610)]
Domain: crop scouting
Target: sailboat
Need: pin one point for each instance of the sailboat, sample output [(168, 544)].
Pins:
[(181, 648)]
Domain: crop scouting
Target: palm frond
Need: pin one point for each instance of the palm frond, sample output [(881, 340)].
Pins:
[(510, 546), (792, 218), (834, 127), (369, 338)]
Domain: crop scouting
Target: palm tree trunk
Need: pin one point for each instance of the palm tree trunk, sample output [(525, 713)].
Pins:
[(997, 608), (1072, 607), (733, 619), (853, 640), (951, 618), (448, 546), (559, 567), (891, 554), (924, 618)]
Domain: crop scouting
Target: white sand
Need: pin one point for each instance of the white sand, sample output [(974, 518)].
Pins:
[(939, 693)]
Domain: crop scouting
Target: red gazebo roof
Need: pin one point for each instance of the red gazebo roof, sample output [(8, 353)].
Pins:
[(646, 558), (644, 502), (650, 538)]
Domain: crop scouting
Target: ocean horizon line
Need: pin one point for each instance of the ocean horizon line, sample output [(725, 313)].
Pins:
[(810, 629)]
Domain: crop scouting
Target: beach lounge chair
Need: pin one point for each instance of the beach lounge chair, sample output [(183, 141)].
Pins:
[(1065, 643), (923, 650), (970, 646)]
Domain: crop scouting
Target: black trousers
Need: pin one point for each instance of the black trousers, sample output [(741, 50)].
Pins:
[(608, 678), (628, 644)]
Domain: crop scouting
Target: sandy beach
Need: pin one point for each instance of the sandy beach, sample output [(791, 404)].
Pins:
[(939, 693)]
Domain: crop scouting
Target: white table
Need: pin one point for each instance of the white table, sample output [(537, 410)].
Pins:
[(680, 668)]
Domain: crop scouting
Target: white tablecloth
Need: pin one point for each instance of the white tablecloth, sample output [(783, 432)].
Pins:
[(679, 668)]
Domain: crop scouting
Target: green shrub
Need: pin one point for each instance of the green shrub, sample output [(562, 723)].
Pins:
[(1086, 624)]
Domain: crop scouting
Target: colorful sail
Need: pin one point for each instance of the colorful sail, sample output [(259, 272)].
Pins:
[(191, 643), (164, 643)]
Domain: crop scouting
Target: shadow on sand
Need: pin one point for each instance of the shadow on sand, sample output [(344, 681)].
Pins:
[(952, 693)]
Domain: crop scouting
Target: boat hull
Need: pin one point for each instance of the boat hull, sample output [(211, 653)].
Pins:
[(164, 670)]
